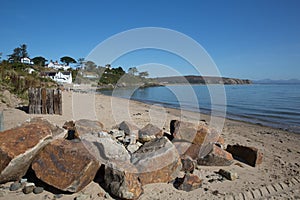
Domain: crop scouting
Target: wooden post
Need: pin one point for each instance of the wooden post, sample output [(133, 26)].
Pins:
[(50, 101), (44, 100)]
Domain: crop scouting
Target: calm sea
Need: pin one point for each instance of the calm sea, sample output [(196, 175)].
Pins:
[(276, 105)]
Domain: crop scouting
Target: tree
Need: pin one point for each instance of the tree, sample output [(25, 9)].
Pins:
[(132, 70), (143, 74), (67, 60), (80, 62), (24, 53), (39, 60), (19, 52), (90, 66), (1, 55)]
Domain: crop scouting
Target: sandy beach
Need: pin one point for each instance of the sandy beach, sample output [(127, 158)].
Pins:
[(281, 152)]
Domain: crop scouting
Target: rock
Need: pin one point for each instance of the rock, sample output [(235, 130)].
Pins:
[(228, 174), (220, 142), (117, 133), (188, 183), (129, 129), (86, 126), (15, 186), (38, 190), (65, 165), (132, 147), (157, 161), (216, 157), (19, 146), (82, 197), (105, 149), (23, 180), (249, 155), (188, 164), (58, 196), (191, 139), (149, 132), (28, 188), (121, 180)]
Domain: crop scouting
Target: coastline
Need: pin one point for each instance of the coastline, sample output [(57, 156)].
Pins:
[(281, 154)]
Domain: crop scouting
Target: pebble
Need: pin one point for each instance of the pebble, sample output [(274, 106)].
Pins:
[(29, 187), (228, 174), (15, 186), (38, 190)]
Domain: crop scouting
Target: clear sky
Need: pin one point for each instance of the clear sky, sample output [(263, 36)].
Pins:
[(254, 39)]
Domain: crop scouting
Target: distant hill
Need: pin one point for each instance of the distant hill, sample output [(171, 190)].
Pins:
[(269, 81), (200, 80)]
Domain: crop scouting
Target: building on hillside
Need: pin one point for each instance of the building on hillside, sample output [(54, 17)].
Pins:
[(26, 61), (56, 65), (59, 77)]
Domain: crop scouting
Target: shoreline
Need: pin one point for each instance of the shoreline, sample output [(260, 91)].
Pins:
[(281, 153), (207, 113)]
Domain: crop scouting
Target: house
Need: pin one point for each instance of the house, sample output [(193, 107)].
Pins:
[(59, 77), (56, 65), (26, 61), (89, 75)]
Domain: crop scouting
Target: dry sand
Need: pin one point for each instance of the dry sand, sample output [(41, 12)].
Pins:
[(281, 151)]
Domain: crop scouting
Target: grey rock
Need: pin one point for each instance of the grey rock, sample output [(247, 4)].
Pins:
[(105, 150), (149, 132), (23, 180), (117, 133), (15, 186), (58, 196), (128, 128), (228, 174), (38, 190)]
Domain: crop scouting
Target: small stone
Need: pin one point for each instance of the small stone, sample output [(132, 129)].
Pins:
[(228, 174), (29, 187), (106, 195), (188, 164), (23, 180), (15, 186), (38, 190), (58, 196), (132, 148), (117, 133)]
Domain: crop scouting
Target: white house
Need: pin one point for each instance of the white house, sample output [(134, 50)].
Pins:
[(59, 77), (26, 61), (56, 65)]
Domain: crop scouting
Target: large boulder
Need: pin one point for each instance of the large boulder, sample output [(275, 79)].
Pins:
[(191, 139), (157, 161), (19, 146), (149, 132), (121, 180), (105, 149), (65, 165), (249, 155), (216, 157)]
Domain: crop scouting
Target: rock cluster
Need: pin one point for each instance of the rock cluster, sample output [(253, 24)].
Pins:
[(121, 160)]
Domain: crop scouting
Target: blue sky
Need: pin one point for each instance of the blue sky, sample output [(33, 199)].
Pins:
[(246, 39)]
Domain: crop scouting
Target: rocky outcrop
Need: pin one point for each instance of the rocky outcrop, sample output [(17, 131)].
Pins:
[(149, 132), (156, 161), (130, 130), (65, 165), (20, 145), (216, 157), (122, 180), (249, 155)]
